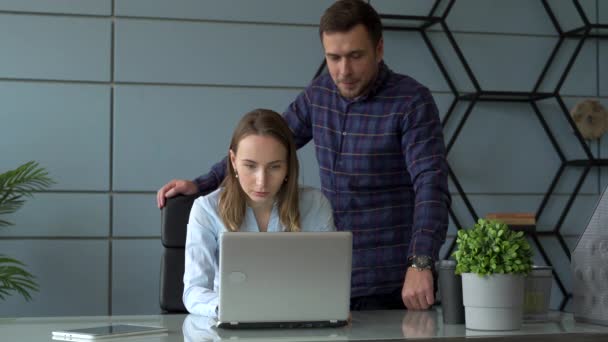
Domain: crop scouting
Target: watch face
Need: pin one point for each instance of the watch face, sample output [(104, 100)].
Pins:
[(422, 261)]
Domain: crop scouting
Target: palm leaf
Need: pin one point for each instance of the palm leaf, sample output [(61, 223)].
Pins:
[(19, 183), (13, 278), (15, 185)]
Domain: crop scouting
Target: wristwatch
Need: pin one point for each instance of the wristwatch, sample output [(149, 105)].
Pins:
[(420, 262)]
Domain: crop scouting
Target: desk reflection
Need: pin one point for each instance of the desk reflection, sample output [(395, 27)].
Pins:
[(393, 324), (364, 325), (419, 324), (200, 328)]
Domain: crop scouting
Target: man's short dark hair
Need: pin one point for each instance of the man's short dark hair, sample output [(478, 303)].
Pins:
[(343, 15)]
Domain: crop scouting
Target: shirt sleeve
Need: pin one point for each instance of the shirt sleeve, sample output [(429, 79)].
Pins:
[(315, 211), (212, 180), (298, 119), (201, 262), (326, 217), (425, 156)]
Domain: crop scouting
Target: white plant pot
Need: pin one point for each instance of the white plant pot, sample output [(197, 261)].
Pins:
[(493, 302)]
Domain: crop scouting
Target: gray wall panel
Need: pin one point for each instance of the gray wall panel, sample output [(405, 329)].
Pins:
[(462, 215), (603, 69), (60, 214), (515, 16), (271, 11), (567, 15), (95, 7), (135, 277), (517, 161), (498, 15), (52, 47), (65, 127), (444, 251), (514, 63), (521, 165), (135, 215), (451, 62), (215, 53), (582, 78), (561, 264), (183, 135), (443, 102), (403, 53), (309, 167), (411, 7), (73, 277), (561, 129)]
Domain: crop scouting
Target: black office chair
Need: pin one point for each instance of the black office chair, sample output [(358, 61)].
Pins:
[(174, 221)]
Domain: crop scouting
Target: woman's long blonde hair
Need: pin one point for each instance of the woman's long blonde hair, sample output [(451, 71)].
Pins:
[(233, 203)]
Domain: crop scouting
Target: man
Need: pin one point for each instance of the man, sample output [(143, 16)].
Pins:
[(381, 155)]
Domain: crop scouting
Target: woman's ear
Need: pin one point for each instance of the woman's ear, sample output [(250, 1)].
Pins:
[(232, 159)]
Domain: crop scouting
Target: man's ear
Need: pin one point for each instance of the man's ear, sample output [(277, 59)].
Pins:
[(380, 50)]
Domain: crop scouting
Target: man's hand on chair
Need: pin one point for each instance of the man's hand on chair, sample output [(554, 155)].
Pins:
[(173, 188)]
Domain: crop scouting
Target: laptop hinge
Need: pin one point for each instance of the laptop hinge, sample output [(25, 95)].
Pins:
[(333, 321), (234, 323)]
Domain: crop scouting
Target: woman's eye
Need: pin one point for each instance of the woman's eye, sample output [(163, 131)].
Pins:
[(249, 166)]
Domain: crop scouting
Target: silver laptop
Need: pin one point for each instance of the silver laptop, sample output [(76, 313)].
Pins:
[(284, 280)]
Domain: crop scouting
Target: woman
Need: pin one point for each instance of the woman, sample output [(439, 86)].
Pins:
[(260, 193)]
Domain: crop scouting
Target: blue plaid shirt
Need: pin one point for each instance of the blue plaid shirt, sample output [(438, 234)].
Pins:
[(383, 168)]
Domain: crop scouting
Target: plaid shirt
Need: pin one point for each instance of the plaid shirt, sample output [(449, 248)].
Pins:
[(383, 168)]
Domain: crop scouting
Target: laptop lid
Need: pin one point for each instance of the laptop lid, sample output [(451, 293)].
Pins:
[(284, 279)]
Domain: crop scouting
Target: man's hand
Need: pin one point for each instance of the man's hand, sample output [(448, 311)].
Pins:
[(175, 187), (417, 292)]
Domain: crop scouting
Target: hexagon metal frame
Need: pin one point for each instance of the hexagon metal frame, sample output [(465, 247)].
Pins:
[(582, 33)]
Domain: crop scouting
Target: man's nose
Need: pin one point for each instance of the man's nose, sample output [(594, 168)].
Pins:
[(346, 67)]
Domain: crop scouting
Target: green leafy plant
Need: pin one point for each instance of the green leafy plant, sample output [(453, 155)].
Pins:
[(15, 186), (492, 247)]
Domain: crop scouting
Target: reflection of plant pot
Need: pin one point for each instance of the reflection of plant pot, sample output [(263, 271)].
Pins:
[(493, 302)]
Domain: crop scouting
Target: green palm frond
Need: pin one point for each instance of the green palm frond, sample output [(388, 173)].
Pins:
[(19, 183), (15, 186), (13, 278)]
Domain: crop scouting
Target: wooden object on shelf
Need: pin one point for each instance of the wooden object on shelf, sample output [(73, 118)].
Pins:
[(525, 222)]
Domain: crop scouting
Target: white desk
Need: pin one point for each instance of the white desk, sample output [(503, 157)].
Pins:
[(365, 326)]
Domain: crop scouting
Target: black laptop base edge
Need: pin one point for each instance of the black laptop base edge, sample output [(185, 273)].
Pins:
[(282, 325)]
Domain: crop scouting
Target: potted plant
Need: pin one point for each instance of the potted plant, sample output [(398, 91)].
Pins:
[(14, 186), (493, 261)]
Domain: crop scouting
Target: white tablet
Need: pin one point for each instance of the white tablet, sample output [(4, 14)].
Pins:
[(107, 331)]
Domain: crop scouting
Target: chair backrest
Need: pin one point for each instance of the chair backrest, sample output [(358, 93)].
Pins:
[(174, 221)]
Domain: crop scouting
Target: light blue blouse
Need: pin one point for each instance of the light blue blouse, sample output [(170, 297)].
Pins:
[(201, 276)]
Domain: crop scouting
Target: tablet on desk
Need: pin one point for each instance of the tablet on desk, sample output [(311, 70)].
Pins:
[(107, 331)]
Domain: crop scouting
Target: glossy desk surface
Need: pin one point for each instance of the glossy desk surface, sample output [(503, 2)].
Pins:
[(365, 326)]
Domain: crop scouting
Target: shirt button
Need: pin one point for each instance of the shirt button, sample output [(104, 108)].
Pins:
[(343, 133)]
